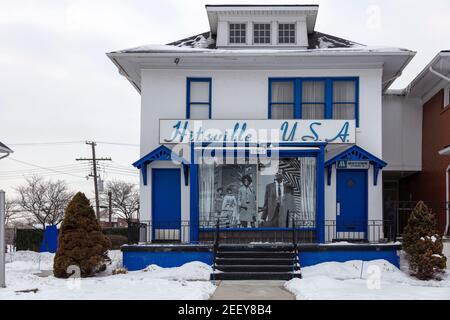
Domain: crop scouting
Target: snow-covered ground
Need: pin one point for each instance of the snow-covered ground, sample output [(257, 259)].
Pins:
[(189, 281), (355, 280)]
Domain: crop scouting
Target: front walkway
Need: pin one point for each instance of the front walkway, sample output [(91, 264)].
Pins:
[(251, 290)]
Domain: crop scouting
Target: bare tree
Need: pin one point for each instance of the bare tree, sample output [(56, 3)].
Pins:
[(124, 199), (11, 211), (44, 200)]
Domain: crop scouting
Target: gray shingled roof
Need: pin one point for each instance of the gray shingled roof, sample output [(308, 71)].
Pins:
[(316, 40)]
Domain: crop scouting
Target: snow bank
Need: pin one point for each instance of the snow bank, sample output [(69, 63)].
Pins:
[(377, 279), (185, 282), (190, 271)]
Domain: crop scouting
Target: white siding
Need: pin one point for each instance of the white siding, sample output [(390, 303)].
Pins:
[(402, 133), (243, 94)]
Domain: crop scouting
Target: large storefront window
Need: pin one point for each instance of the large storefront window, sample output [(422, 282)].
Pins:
[(252, 195)]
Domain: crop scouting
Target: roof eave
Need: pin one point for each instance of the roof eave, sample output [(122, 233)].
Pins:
[(416, 81)]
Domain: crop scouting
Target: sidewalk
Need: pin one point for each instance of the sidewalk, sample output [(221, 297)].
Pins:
[(251, 290)]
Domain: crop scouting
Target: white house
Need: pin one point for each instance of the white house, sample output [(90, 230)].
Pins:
[(262, 84)]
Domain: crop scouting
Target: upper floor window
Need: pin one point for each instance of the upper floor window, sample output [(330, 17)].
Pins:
[(314, 98), (261, 33), (198, 98), (286, 33), (238, 33)]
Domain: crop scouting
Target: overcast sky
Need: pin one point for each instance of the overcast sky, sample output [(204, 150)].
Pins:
[(57, 85)]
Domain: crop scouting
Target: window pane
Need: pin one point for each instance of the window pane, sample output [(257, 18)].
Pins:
[(282, 111), (237, 33), (283, 92), (344, 111), (313, 111), (286, 33), (199, 111), (343, 91), (313, 91), (199, 91), (261, 33)]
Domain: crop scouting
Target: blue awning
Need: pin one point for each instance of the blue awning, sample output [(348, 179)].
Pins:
[(355, 153), (161, 153)]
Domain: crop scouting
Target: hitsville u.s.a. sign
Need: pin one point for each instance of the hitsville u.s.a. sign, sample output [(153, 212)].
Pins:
[(256, 131)]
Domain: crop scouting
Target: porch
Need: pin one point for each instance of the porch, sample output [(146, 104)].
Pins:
[(299, 232)]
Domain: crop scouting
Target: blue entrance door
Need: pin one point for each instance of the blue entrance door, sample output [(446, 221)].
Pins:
[(351, 197), (166, 204)]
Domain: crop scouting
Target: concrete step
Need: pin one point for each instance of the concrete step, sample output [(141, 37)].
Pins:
[(257, 247), (254, 275), (256, 261), (257, 268), (256, 254)]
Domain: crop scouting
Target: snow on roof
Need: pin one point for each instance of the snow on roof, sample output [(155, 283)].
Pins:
[(205, 43), (4, 148)]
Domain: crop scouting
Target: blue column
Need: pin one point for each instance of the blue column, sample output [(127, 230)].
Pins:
[(194, 214), (320, 215)]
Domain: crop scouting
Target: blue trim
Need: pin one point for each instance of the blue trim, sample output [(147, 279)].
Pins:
[(194, 198), (189, 80), (320, 196), (359, 154), (161, 153), (319, 154), (256, 229), (328, 103)]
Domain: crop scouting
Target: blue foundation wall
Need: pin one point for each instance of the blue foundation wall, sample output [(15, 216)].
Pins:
[(139, 257), (137, 260), (310, 258)]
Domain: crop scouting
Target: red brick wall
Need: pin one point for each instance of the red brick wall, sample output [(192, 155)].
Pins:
[(429, 184)]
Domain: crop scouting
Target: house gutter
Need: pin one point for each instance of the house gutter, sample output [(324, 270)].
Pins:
[(439, 74)]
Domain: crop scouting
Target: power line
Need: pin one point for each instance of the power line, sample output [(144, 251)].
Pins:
[(70, 142), (45, 143), (45, 168), (120, 143)]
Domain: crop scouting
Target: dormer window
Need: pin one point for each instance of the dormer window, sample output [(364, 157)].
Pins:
[(261, 33), (238, 33), (286, 33)]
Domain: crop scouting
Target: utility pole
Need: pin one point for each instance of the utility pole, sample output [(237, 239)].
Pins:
[(110, 205), (94, 175)]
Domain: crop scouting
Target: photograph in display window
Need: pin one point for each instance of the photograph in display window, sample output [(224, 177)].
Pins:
[(254, 195)]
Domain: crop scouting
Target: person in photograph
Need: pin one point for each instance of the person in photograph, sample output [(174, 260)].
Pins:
[(247, 203), (218, 201), (278, 203), (229, 207)]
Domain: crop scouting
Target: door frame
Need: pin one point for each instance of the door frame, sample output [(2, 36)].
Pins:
[(366, 199), (153, 203)]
